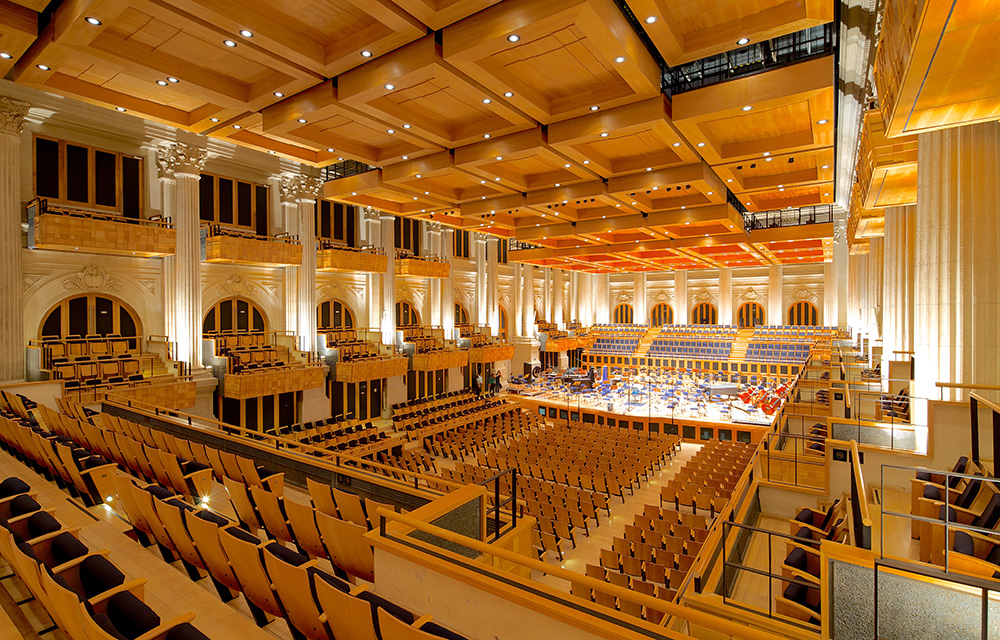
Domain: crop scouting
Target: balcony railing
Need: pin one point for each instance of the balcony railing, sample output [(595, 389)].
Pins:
[(816, 214), (225, 244), (345, 169), (332, 256), (62, 228)]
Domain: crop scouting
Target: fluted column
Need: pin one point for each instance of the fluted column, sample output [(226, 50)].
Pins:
[(290, 275), (305, 190), (388, 322), (434, 237), (479, 297), (834, 283), (873, 287), (185, 163), (775, 297), (547, 295), (12, 114), (897, 283), (641, 315), (557, 301), (528, 301), (448, 284), (168, 264), (681, 314), (956, 261), (857, 295), (726, 296), (493, 286), (600, 297), (516, 312), (373, 299)]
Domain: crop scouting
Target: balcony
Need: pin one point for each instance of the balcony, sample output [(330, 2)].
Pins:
[(408, 264), (564, 344), (221, 244), (273, 380), (439, 359), (337, 257), (372, 368), (491, 353), (59, 228)]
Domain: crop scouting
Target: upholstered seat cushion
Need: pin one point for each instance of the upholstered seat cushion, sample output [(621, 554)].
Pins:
[(240, 534), (191, 467), (287, 555), (97, 575), (41, 523), (13, 486), (185, 632), (94, 461), (799, 594), (798, 559), (341, 585), (127, 617), (23, 504), (435, 629), (378, 602), (66, 547), (214, 517), (160, 492), (963, 543)]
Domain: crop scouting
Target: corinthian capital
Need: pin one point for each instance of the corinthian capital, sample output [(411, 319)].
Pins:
[(299, 187), (180, 158), (12, 114)]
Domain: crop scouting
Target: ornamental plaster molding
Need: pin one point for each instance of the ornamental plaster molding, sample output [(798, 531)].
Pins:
[(12, 115), (237, 285), (92, 278), (177, 158)]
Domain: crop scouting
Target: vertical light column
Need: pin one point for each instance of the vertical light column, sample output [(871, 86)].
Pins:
[(306, 189), (168, 267), (547, 295), (12, 346), (373, 236), (528, 308), (517, 306), (956, 261), (835, 280), (434, 236), (681, 315), (600, 297), (873, 288), (775, 297), (641, 315), (388, 321), (448, 284), (290, 277), (726, 296), (479, 297), (493, 286), (185, 163), (897, 282), (558, 288), (857, 294)]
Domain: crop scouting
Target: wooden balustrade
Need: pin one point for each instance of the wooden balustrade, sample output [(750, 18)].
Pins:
[(272, 381), (349, 259), (101, 234), (236, 247), (437, 360), (491, 353), (371, 369)]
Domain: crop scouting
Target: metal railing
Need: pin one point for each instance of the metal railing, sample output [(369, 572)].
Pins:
[(501, 500), (345, 169), (816, 214)]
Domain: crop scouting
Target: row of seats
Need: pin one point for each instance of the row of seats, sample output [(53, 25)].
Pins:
[(801, 598), (471, 438), (713, 349), (795, 353)]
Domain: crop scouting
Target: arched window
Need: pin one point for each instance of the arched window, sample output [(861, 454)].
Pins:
[(750, 314), (90, 315), (334, 314), (803, 313), (661, 314), (234, 314), (406, 315), (461, 315), (704, 313), (503, 324), (623, 314)]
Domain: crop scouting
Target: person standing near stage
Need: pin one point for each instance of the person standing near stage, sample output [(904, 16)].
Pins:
[(591, 376), (477, 386), (499, 382)]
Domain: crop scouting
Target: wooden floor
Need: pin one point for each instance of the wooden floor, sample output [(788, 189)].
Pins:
[(168, 591)]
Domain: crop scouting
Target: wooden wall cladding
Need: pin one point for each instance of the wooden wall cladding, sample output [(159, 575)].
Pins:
[(343, 260), (273, 382), (491, 353), (373, 369), (176, 395), (422, 268), (438, 360), (71, 233), (252, 251)]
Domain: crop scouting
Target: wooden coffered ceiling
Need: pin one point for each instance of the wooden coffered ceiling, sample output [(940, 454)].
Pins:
[(539, 121)]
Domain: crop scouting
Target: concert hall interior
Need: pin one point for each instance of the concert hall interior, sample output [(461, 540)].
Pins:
[(499, 319)]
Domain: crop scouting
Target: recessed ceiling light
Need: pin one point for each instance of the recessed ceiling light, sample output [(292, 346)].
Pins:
[(780, 186), (270, 151), (5, 55), (214, 119), (93, 21), (826, 194), (768, 159), (329, 149), (730, 180), (823, 121), (567, 165), (513, 37), (172, 79), (122, 109), (301, 120), (743, 41), (42, 67), (236, 126), (499, 157), (366, 53), (486, 135), (604, 135), (701, 144), (278, 94), (246, 33), (406, 126), (508, 94), (710, 193), (594, 108), (390, 86), (390, 131), (586, 162), (496, 179), (341, 160), (782, 189), (558, 185), (650, 19), (487, 101), (229, 43), (419, 175), (767, 153), (162, 83), (748, 204), (482, 182)]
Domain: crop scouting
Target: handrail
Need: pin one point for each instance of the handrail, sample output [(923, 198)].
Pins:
[(651, 602), (981, 400), (218, 230), (256, 437), (326, 244), (119, 218), (863, 519)]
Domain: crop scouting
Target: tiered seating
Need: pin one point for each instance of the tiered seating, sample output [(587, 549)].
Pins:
[(467, 440), (772, 351), (85, 594), (332, 434), (616, 339), (274, 579), (726, 331), (786, 332), (706, 481), (93, 360), (428, 416), (247, 351), (706, 349), (348, 346), (800, 598)]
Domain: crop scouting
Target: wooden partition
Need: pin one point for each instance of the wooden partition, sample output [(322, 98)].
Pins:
[(346, 259), (491, 353), (422, 268), (371, 369), (266, 382), (250, 249), (437, 360), (102, 234)]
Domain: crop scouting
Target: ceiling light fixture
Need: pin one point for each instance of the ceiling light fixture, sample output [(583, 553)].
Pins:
[(246, 33), (486, 135), (214, 119), (767, 153), (499, 157), (508, 94), (620, 59), (826, 166), (823, 121), (730, 180), (496, 179), (172, 79), (513, 37), (301, 120), (604, 135), (236, 126), (93, 21), (390, 131), (406, 126), (162, 83), (594, 108), (278, 94), (747, 108), (701, 144), (122, 109), (487, 101), (42, 67), (229, 43), (558, 184), (5, 55), (650, 19), (389, 86), (366, 53), (586, 162), (743, 41), (329, 149)]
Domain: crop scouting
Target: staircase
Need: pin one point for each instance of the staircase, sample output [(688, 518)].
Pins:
[(739, 350), (643, 349)]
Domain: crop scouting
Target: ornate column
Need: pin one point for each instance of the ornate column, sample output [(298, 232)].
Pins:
[(479, 298), (641, 314), (600, 297), (558, 288), (856, 293), (681, 315), (956, 261), (528, 301), (547, 295), (185, 162), (290, 283), (388, 319), (835, 280), (12, 345), (168, 264), (373, 236), (897, 282), (726, 296), (434, 237), (448, 284), (775, 297), (305, 189), (493, 285)]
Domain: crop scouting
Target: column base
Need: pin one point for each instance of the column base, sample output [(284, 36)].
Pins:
[(526, 352)]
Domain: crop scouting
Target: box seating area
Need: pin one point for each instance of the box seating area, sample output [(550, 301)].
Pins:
[(708, 349), (348, 346), (767, 351), (332, 434), (247, 351), (83, 591), (93, 360), (251, 555), (698, 330), (800, 596), (792, 332)]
